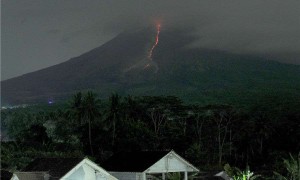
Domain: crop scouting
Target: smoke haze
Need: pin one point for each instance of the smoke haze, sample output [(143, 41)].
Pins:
[(37, 34)]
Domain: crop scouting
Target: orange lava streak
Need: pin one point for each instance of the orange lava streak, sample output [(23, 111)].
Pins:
[(156, 41)]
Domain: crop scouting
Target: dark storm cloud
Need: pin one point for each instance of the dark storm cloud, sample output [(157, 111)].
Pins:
[(38, 33)]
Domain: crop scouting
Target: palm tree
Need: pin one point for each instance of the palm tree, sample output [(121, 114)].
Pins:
[(90, 106), (131, 108), (292, 166), (114, 113), (76, 107)]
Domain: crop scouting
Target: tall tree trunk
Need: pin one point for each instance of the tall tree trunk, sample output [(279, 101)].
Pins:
[(90, 138), (199, 129), (219, 145), (230, 141), (114, 130), (299, 165), (184, 127)]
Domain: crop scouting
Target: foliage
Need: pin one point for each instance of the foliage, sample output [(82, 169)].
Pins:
[(292, 166), (237, 174), (174, 176), (195, 153), (15, 156), (86, 109), (207, 136)]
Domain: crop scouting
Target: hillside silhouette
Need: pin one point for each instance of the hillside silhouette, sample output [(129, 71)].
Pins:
[(122, 65)]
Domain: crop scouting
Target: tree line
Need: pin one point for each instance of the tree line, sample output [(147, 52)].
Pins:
[(207, 135)]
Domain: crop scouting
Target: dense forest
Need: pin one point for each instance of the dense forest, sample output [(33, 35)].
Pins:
[(260, 135)]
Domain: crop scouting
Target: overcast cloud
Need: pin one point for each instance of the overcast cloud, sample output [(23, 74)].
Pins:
[(40, 33)]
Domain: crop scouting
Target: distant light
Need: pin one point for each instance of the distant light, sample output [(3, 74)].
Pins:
[(50, 102)]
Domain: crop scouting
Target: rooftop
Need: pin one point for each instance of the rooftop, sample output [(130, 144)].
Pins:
[(55, 167), (133, 161)]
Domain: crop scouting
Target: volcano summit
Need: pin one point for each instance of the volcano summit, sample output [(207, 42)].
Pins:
[(174, 68)]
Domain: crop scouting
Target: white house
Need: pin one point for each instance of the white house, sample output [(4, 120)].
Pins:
[(62, 169), (147, 165)]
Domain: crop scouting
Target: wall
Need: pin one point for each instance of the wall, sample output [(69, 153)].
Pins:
[(127, 175), (170, 163)]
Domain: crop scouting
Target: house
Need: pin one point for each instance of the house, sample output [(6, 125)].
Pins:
[(147, 165), (62, 169)]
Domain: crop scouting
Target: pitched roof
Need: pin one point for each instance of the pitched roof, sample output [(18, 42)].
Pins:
[(31, 175), (56, 167), (133, 161), (91, 164)]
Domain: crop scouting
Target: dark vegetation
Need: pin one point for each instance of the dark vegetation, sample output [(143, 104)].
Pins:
[(260, 134)]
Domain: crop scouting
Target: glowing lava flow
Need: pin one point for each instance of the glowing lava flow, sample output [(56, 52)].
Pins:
[(156, 41)]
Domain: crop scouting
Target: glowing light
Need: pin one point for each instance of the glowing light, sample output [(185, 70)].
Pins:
[(156, 41), (147, 66)]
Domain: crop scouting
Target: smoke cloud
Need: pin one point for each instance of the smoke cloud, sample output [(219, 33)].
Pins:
[(37, 34)]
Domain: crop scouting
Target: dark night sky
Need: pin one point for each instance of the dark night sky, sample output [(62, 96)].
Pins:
[(40, 33)]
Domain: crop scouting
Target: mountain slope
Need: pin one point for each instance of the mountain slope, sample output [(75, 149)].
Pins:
[(122, 65)]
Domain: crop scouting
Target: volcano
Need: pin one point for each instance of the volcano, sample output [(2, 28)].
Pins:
[(122, 65)]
